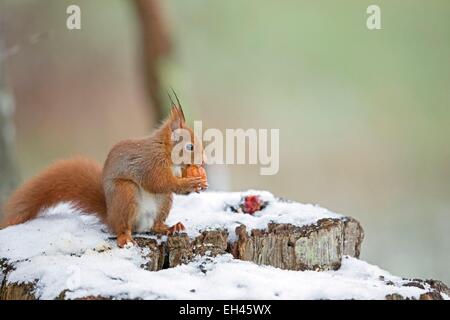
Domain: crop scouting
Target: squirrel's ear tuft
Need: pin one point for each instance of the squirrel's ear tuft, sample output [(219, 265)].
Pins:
[(176, 117)]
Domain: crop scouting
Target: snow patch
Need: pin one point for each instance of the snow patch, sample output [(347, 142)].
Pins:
[(207, 210)]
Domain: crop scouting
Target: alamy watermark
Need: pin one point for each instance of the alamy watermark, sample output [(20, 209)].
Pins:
[(236, 146), (73, 21), (373, 21)]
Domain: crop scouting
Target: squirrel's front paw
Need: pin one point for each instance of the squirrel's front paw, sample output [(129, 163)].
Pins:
[(196, 184), (125, 240)]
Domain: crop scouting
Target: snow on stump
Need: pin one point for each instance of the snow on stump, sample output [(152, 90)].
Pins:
[(67, 255)]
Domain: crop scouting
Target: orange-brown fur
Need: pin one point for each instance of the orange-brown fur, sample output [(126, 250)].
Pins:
[(114, 193), (77, 180)]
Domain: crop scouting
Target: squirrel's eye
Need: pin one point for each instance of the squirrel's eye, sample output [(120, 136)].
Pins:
[(189, 147)]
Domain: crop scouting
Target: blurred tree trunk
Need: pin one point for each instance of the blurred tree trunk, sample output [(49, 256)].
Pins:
[(155, 44), (8, 169)]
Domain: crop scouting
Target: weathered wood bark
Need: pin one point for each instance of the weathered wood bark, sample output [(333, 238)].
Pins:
[(179, 248), (182, 249), (17, 292), (14, 291), (156, 253), (313, 247), (8, 169)]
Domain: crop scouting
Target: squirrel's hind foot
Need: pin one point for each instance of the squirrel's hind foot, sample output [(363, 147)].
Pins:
[(166, 230), (177, 227), (125, 240)]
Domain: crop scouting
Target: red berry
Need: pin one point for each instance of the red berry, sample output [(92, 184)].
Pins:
[(252, 203)]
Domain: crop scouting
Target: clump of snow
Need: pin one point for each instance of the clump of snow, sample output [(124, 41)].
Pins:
[(61, 230), (65, 251), (208, 210)]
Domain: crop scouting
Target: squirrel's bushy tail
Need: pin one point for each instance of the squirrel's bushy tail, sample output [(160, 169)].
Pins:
[(77, 180)]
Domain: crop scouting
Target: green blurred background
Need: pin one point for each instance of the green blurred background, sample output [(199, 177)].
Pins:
[(363, 115)]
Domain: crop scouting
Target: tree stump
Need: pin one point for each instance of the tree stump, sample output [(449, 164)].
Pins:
[(317, 246)]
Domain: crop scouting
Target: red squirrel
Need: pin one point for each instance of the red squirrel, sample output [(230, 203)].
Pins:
[(133, 192)]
